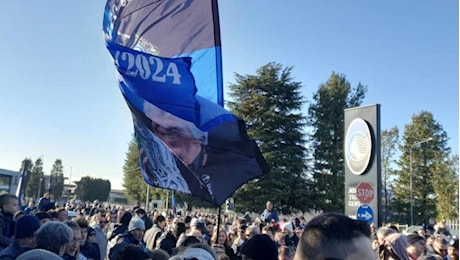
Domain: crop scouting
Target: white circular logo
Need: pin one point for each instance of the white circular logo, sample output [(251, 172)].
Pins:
[(358, 146)]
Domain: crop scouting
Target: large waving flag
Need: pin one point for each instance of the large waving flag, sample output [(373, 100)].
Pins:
[(168, 57)]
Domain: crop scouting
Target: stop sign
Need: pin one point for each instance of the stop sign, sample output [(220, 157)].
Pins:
[(365, 192)]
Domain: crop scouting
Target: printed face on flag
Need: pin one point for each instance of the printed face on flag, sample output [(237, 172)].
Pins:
[(168, 59)]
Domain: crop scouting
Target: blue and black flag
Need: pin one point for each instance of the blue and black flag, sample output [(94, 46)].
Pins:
[(168, 57)]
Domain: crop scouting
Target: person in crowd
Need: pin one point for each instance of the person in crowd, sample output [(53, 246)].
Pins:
[(18, 215), (394, 248), (220, 238), (72, 249), (159, 254), (54, 214), (239, 240), (429, 245), (383, 232), (63, 215), (286, 253), (452, 250), (421, 232), (259, 247), (440, 246), (43, 202), (168, 240), (43, 216), (95, 209), (416, 246), (53, 236), (195, 251), (442, 229), (31, 207), (290, 236), (100, 236), (24, 239), (195, 230), (153, 234), (251, 231), (39, 254), (335, 236), (270, 214), (8, 207), (130, 252), (88, 249), (269, 231), (134, 236), (124, 217), (140, 213)]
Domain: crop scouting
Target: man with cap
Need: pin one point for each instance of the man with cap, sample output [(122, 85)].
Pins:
[(134, 236), (24, 237), (416, 246)]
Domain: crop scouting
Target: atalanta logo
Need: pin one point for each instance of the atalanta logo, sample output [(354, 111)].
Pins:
[(358, 146)]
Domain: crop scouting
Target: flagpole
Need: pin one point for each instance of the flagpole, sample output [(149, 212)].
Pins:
[(147, 199), (218, 220)]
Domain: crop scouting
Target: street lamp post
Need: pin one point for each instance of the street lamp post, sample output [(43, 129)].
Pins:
[(410, 177)]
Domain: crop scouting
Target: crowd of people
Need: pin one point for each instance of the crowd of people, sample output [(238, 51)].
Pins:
[(46, 231)]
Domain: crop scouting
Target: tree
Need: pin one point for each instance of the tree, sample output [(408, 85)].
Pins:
[(270, 102), (389, 139), (133, 181), (445, 186), (57, 179), (35, 185), (326, 118), (90, 189), (424, 159)]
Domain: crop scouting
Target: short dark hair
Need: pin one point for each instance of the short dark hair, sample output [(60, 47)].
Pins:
[(42, 215), (5, 198), (72, 224), (330, 235), (159, 219), (140, 211)]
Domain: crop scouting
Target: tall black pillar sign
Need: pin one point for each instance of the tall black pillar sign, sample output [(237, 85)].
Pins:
[(362, 164)]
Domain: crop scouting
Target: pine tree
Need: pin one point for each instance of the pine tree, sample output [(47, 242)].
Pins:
[(35, 185), (424, 159), (389, 139), (326, 118), (57, 179), (270, 102)]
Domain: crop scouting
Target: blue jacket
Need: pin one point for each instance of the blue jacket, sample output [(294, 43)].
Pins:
[(268, 216), (13, 251)]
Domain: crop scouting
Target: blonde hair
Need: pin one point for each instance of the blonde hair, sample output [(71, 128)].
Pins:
[(215, 236)]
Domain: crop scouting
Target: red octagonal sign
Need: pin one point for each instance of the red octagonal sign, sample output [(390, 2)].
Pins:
[(365, 192)]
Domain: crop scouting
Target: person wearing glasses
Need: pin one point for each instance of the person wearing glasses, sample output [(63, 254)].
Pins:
[(335, 236)]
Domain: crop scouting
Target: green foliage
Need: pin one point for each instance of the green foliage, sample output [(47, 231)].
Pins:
[(445, 185), (35, 184), (57, 179), (90, 189), (270, 104), (433, 174), (133, 182), (389, 140), (326, 118)]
